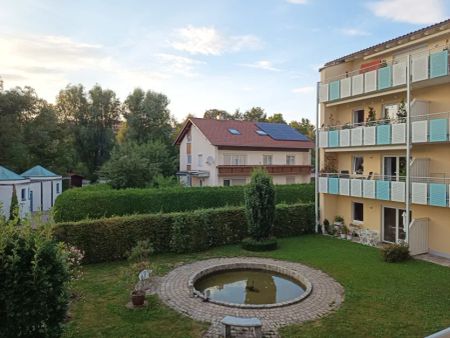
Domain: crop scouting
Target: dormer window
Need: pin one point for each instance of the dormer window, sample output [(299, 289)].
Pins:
[(234, 131)]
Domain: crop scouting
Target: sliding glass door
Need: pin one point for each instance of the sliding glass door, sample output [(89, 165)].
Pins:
[(394, 224), (394, 168)]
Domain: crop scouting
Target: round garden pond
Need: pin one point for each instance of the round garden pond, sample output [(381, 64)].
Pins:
[(250, 285)]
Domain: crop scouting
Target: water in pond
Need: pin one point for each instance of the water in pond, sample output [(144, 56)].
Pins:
[(250, 286)]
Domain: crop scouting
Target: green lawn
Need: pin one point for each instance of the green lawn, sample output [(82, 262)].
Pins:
[(409, 299)]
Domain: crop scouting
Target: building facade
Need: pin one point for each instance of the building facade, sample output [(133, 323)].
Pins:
[(383, 146), (223, 152)]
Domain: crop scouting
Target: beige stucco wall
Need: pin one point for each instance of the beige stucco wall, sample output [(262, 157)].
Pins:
[(255, 157)]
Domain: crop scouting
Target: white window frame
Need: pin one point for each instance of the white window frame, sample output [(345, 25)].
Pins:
[(189, 159), (355, 221), (265, 159), (354, 163), (200, 160), (234, 159), (356, 123), (292, 157)]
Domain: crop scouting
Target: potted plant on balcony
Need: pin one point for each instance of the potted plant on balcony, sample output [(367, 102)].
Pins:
[(348, 125), (371, 117), (344, 231), (401, 112)]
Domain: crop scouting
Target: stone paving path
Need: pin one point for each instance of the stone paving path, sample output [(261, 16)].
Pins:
[(326, 296)]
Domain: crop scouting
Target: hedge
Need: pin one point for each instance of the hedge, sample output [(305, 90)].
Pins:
[(79, 204), (109, 239)]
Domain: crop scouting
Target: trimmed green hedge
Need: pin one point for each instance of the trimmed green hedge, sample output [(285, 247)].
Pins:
[(79, 204), (109, 239)]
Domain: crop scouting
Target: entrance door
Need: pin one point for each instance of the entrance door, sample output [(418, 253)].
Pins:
[(394, 168), (394, 221)]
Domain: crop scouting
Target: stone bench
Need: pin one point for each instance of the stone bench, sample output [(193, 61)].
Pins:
[(230, 321)]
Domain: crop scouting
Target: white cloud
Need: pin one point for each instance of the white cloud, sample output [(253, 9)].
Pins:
[(209, 41), (410, 11), (354, 32), (263, 64), (179, 64), (304, 90), (297, 2)]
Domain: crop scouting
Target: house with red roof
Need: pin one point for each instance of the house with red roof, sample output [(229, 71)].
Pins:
[(225, 152)]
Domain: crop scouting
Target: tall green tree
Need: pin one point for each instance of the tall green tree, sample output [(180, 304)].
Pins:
[(256, 114), (92, 117), (276, 118), (148, 117), (305, 127)]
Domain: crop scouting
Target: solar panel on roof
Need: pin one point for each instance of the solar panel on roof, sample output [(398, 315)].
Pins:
[(281, 132)]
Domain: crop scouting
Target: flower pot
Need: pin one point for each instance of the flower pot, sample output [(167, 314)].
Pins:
[(349, 237), (138, 297), (343, 236)]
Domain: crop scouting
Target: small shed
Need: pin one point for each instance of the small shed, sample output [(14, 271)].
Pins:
[(45, 187), (8, 182)]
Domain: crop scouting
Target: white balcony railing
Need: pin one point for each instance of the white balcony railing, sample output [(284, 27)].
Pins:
[(386, 75)]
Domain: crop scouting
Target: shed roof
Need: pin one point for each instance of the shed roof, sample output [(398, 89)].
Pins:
[(38, 171), (8, 175)]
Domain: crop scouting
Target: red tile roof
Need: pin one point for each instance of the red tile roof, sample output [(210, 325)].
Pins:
[(216, 131)]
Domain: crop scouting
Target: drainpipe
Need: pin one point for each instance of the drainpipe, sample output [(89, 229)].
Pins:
[(316, 172), (408, 146)]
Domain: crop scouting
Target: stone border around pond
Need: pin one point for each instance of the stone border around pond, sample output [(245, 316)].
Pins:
[(253, 266), (176, 291)]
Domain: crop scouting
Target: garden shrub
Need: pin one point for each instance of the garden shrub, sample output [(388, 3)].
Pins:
[(90, 202), (393, 253), (267, 244), (110, 239), (34, 276), (260, 205)]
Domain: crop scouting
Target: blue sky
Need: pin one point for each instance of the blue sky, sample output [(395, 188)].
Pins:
[(224, 54)]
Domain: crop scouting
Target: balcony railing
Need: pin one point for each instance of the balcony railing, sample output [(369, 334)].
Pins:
[(424, 190), (424, 129), (246, 170), (386, 75)]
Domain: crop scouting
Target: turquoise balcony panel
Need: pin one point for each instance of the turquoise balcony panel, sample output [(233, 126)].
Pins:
[(384, 134), (333, 138), (439, 64), (335, 90), (333, 185), (438, 130), (385, 77), (383, 190), (438, 194)]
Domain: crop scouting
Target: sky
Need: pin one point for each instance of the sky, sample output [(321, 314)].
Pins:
[(223, 54)]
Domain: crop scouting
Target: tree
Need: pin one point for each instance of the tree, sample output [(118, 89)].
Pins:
[(260, 205), (14, 207), (255, 114), (276, 118), (135, 165), (91, 117), (148, 117), (305, 127)]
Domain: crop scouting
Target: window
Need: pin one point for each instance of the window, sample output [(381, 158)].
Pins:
[(390, 111), (189, 159), (290, 159), (358, 117), (261, 133), (189, 137), (290, 179), (57, 188), (200, 160), (238, 181), (234, 159), (234, 131), (226, 183), (23, 194), (267, 159), (358, 212), (358, 165)]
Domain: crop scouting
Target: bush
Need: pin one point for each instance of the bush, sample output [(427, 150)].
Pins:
[(260, 205), (110, 239), (34, 276), (267, 244), (82, 203), (140, 252), (393, 253)]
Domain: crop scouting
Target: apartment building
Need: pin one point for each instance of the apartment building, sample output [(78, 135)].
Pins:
[(224, 152), (383, 146)]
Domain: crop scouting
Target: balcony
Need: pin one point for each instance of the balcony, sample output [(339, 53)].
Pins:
[(386, 76), (424, 191), (246, 170), (430, 128)]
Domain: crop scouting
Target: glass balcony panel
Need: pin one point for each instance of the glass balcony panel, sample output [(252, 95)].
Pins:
[(344, 186), (333, 185), (419, 131), (398, 133), (357, 84), (323, 139), (438, 130), (370, 81), (369, 136), (383, 190), (398, 191), (369, 188), (334, 90), (323, 92), (356, 187), (438, 194), (384, 134), (333, 138), (439, 64), (399, 74), (344, 138), (419, 193), (346, 87), (357, 136), (323, 184), (419, 67), (385, 77)]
